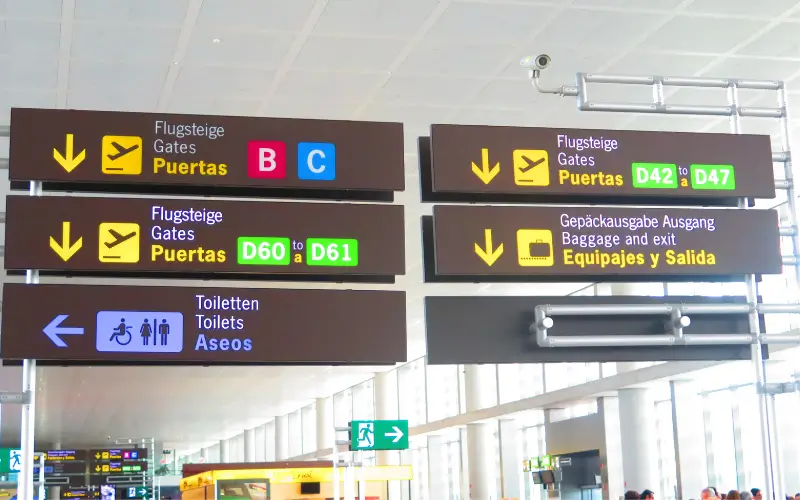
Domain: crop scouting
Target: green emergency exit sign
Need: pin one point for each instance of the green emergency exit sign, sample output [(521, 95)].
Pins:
[(379, 435)]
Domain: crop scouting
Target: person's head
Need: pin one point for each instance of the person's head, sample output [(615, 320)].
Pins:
[(733, 495), (707, 494), (797, 496), (745, 495), (631, 495), (647, 495), (756, 493)]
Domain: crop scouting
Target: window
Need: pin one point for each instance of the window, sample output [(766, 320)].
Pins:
[(531, 444), (562, 375), (442, 387), (411, 384), (665, 443), (720, 448), (747, 426), (342, 408), (452, 453), (519, 381), (363, 401), (417, 456)]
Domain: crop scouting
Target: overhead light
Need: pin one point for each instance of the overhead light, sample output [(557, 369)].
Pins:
[(216, 40)]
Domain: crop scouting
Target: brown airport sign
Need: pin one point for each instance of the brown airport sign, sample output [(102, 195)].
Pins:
[(102, 147), (164, 325), (200, 236), (581, 242), (564, 163)]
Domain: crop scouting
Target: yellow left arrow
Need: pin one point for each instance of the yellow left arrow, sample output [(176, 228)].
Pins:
[(65, 249)]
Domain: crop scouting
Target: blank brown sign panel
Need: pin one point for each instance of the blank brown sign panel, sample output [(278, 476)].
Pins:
[(593, 242), (477, 330), (161, 149), (163, 325), (615, 165), (191, 236)]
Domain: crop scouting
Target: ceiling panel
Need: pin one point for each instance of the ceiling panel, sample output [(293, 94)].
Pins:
[(231, 47), (28, 74), (421, 90), (453, 58), (374, 18), (759, 9), (780, 41), (129, 43), (489, 22), (153, 12), (334, 87), (702, 34), (601, 29), (239, 83), (260, 15), (24, 38), (335, 53), (41, 10)]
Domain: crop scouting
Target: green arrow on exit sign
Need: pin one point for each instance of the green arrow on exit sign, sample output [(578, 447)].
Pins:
[(379, 435)]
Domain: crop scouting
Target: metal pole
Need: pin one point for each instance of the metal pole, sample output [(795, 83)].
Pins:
[(772, 469), (777, 469), (335, 466), (348, 481), (25, 477), (755, 329), (41, 475), (788, 173), (362, 485), (27, 427)]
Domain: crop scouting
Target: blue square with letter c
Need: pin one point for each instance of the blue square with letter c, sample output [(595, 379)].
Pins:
[(316, 161)]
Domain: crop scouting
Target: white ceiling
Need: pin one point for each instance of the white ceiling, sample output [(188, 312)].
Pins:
[(415, 61)]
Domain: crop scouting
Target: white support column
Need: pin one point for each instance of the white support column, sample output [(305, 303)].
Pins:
[(478, 381), (260, 442), (224, 451), (295, 434), (270, 448), (636, 412), (249, 445), (638, 433), (386, 408), (324, 422), (611, 455), (204, 455), (282, 437), (688, 434)]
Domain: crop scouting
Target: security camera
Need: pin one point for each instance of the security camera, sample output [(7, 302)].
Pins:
[(539, 62)]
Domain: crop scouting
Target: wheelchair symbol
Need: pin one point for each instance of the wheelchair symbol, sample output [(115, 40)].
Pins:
[(122, 333)]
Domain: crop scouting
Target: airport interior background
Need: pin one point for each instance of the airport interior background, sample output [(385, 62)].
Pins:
[(682, 378)]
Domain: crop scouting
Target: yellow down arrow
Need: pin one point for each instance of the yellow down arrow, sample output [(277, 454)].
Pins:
[(485, 172), (65, 250), (67, 160), (489, 255)]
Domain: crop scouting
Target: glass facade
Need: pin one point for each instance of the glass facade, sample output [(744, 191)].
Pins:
[(429, 394), (727, 408)]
